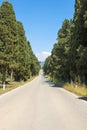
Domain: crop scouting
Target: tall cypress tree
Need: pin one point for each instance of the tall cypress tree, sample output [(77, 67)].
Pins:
[(23, 55), (80, 32), (34, 63), (8, 37), (60, 52), (78, 38)]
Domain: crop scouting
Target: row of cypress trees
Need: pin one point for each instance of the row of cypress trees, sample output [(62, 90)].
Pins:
[(68, 61), (16, 56)]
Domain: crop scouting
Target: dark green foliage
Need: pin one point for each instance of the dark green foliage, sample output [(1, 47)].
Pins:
[(34, 64), (78, 43), (22, 55), (68, 61), (8, 36), (58, 64), (47, 65), (16, 55)]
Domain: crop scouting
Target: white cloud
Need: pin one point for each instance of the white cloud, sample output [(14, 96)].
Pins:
[(43, 55)]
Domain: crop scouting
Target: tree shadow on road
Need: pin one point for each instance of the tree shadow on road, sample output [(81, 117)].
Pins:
[(49, 82), (83, 98), (56, 86), (60, 84), (53, 84)]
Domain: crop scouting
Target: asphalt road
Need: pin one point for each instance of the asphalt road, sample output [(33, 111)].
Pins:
[(39, 105)]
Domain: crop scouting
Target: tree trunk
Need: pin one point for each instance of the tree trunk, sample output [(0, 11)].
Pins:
[(11, 74), (3, 85)]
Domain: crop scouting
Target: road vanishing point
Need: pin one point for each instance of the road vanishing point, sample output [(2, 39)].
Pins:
[(41, 105)]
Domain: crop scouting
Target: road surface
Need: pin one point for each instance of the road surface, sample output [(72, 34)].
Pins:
[(39, 105)]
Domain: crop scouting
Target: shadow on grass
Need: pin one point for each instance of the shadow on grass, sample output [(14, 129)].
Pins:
[(8, 84), (83, 98)]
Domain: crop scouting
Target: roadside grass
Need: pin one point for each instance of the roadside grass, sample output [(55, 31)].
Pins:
[(10, 85), (78, 89)]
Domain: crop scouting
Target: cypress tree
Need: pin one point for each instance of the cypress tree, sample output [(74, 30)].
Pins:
[(23, 55), (78, 39), (34, 65), (8, 37), (60, 53)]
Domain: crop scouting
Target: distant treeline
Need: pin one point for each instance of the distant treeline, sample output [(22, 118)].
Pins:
[(16, 56), (68, 61)]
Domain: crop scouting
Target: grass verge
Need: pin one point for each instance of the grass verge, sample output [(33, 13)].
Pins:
[(13, 85), (80, 90)]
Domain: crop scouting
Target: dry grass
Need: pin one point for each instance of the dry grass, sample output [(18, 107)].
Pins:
[(80, 90), (13, 85)]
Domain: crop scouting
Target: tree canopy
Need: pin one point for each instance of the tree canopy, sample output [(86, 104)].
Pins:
[(16, 55), (69, 55)]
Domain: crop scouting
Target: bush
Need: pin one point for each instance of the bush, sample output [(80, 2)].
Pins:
[(0, 76)]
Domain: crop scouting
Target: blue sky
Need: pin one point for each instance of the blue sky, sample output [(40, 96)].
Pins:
[(41, 20)]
